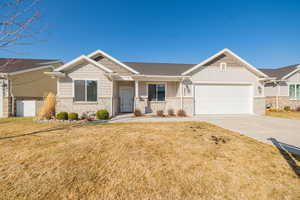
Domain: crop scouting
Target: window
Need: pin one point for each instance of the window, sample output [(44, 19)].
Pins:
[(156, 92), (85, 90), (294, 91), (223, 67)]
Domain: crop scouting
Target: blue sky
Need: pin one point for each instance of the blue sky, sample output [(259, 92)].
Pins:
[(264, 32)]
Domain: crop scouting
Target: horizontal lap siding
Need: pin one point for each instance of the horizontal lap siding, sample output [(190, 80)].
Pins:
[(114, 67), (236, 72), (85, 71)]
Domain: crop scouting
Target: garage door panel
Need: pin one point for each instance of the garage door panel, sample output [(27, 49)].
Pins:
[(223, 99), (26, 108)]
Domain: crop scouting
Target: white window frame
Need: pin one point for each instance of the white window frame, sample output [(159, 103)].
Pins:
[(156, 83), (84, 79), (289, 84), (223, 67)]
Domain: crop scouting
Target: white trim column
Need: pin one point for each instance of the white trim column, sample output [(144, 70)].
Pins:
[(181, 94), (136, 93), (136, 83)]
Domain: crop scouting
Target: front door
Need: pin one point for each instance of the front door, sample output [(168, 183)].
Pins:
[(126, 99)]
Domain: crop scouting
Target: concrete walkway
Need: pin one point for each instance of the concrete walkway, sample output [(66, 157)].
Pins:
[(258, 127)]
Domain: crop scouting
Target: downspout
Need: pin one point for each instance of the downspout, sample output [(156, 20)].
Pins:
[(181, 94)]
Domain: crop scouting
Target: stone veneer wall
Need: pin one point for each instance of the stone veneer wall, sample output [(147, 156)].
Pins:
[(171, 103), (66, 104), (259, 105), (7, 102), (282, 101)]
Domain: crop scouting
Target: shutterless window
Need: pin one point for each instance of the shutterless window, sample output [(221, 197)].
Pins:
[(294, 91), (156, 92), (85, 90)]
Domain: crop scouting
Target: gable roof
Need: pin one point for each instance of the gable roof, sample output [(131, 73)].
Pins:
[(282, 72), (82, 58), (170, 69), (99, 52), (249, 66), (13, 65)]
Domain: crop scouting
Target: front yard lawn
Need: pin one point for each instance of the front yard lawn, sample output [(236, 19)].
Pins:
[(189, 160), (283, 114)]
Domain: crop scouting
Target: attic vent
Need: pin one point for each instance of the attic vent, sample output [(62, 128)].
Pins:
[(98, 58), (223, 67)]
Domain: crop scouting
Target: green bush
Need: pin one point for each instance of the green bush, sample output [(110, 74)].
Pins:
[(73, 116), (62, 116), (102, 114), (287, 108)]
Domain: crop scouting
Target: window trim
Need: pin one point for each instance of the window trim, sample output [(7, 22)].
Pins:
[(156, 83), (84, 79), (289, 84)]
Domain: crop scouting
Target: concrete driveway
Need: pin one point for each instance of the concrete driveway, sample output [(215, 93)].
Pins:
[(259, 127)]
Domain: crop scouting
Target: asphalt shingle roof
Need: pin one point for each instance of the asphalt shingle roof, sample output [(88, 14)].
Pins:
[(279, 72), (171, 69), (9, 65)]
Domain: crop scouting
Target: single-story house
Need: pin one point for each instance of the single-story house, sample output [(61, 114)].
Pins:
[(284, 89), (23, 84), (221, 84)]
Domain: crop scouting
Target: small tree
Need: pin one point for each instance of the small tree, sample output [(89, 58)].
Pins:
[(19, 24)]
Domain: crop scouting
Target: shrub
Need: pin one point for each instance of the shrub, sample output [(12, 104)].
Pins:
[(171, 112), (48, 108), (181, 113), (102, 114), (287, 108), (62, 116), (137, 113), (160, 113), (73, 116)]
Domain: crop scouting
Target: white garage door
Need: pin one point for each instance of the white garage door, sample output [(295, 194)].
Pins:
[(223, 99), (26, 108)]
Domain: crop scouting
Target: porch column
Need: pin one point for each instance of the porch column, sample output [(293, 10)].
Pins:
[(136, 89), (136, 84), (181, 94)]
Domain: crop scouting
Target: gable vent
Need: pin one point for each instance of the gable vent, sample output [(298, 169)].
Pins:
[(98, 58)]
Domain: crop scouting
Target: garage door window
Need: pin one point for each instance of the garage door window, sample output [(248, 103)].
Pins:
[(85, 90), (294, 91), (156, 92)]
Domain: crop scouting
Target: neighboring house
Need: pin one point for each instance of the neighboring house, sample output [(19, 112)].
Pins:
[(284, 89), (23, 85), (221, 84)]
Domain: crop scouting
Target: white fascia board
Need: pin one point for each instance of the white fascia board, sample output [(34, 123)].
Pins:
[(291, 73), (31, 70), (56, 74), (113, 59), (218, 54), (80, 58)]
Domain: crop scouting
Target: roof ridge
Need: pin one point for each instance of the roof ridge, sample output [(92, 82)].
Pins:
[(160, 63)]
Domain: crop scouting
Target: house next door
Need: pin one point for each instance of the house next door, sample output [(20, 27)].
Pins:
[(126, 98)]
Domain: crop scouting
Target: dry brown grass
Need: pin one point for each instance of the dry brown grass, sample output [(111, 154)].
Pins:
[(283, 114), (189, 160)]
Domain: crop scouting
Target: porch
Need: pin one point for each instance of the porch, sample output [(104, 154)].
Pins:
[(149, 94)]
